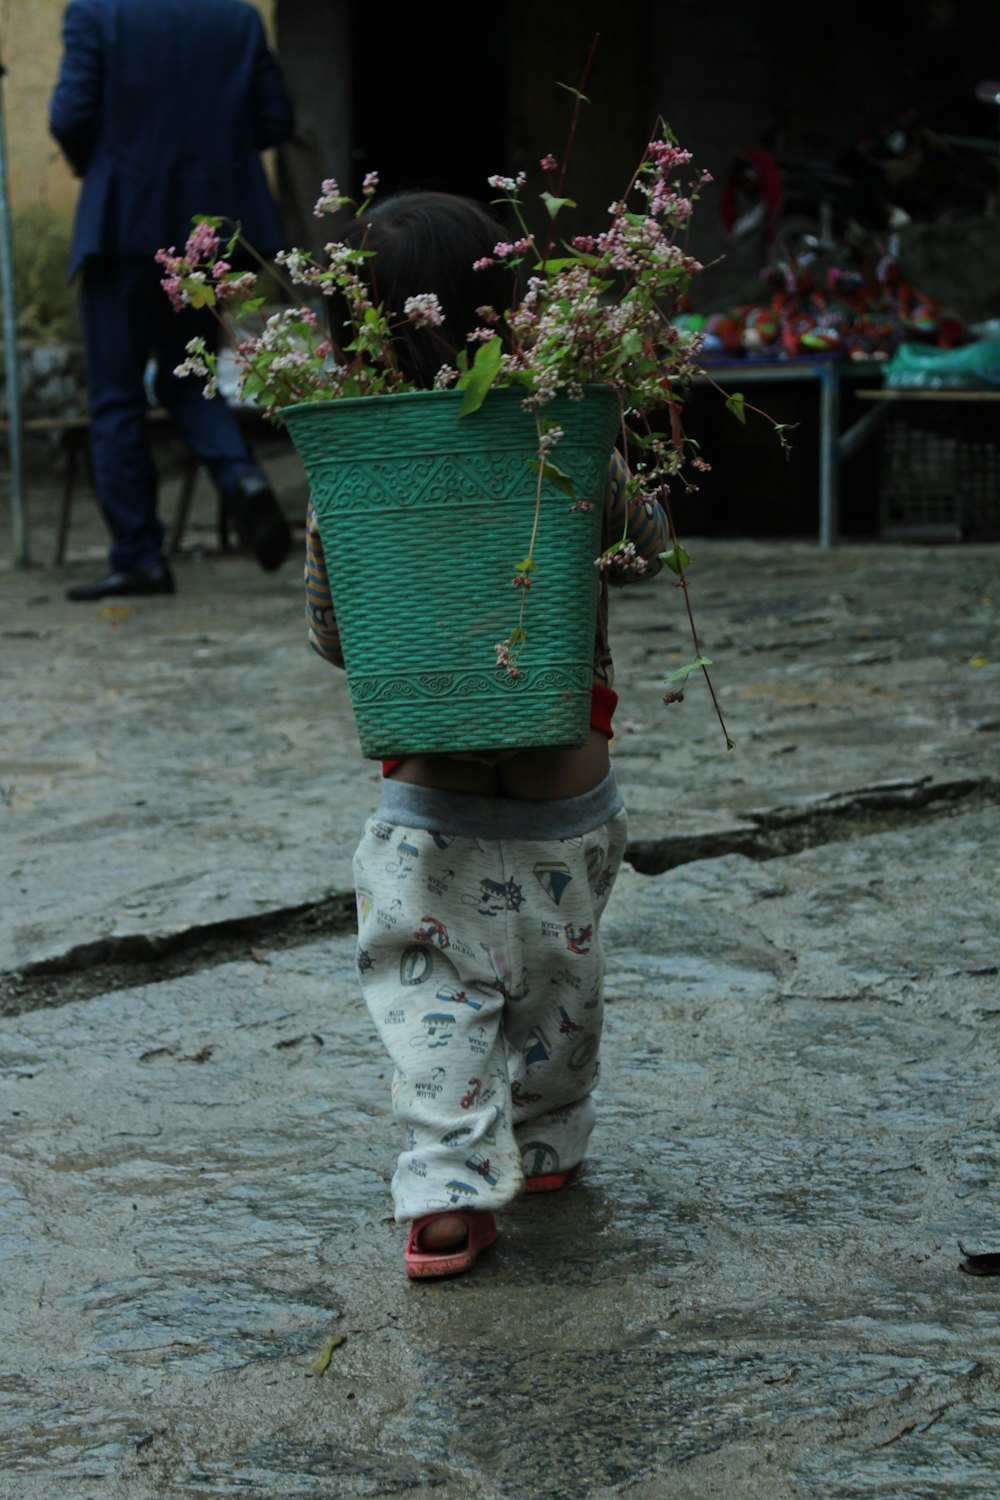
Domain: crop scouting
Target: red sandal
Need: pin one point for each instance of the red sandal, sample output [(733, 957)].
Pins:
[(480, 1233), (548, 1182)]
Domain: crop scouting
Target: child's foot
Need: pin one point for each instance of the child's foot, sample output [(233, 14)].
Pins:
[(443, 1232), (445, 1244)]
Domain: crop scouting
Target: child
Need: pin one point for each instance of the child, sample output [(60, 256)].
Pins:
[(481, 879)]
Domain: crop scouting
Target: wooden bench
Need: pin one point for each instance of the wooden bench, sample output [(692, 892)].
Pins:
[(73, 434)]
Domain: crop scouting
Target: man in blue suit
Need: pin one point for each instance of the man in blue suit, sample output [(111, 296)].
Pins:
[(163, 109)]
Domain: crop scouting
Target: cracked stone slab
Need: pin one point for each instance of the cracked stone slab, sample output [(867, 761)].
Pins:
[(170, 765)]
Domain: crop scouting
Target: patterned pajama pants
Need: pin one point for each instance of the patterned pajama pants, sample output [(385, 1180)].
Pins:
[(482, 970)]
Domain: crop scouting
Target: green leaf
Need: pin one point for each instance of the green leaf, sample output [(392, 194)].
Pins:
[(485, 368), (575, 92), (683, 673), (320, 1364), (526, 565), (199, 294), (554, 475), (553, 267), (736, 404), (675, 559), (554, 204)]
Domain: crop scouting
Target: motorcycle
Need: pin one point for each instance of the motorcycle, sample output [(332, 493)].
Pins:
[(910, 169)]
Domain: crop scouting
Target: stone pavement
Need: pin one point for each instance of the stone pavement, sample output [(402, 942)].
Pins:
[(753, 1289)]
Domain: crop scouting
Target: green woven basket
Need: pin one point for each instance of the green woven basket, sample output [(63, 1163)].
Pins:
[(423, 515)]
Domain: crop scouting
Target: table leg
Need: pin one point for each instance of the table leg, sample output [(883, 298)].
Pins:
[(829, 456)]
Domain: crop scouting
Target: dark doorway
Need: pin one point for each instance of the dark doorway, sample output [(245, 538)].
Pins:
[(430, 95)]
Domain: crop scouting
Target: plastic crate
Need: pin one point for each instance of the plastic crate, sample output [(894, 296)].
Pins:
[(938, 484)]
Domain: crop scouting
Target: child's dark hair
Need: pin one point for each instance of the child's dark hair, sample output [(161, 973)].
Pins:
[(428, 242)]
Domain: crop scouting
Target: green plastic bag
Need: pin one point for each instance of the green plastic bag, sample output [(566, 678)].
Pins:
[(918, 367)]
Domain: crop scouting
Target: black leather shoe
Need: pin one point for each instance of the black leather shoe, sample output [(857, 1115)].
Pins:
[(260, 524), (157, 579)]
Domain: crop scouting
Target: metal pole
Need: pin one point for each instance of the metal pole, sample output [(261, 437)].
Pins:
[(18, 525)]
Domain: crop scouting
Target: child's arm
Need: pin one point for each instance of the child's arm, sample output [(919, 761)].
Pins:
[(648, 530), (324, 637)]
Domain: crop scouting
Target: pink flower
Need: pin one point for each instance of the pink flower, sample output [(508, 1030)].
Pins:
[(548, 163), (202, 242), (666, 155), (505, 248), (370, 184), (483, 264), (330, 199), (622, 557)]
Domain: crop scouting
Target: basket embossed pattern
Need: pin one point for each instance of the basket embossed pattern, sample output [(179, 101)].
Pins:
[(423, 515)]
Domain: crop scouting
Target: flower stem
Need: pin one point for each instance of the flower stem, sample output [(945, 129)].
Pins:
[(570, 141), (683, 585)]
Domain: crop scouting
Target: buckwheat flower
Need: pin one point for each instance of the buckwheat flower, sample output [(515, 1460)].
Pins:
[(424, 310), (548, 163), (295, 262), (522, 581), (549, 439), (483, 264), (236, 285), (370, 184), (480, 335), (506, 661), (623, 558), (330, 199), (507, 184), (172, 286), (445, 377), (666, 155), (488, 314), (195, 364), (581, 507), (584, 242), (201, 242), (505, 248)]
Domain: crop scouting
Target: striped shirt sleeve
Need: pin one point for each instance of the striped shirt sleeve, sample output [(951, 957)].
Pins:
[(642, 522), (324, 637)]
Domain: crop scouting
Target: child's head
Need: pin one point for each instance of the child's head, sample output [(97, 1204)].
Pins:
[(428, 242)]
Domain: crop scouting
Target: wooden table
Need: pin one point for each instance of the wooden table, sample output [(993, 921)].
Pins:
[(828, 374)]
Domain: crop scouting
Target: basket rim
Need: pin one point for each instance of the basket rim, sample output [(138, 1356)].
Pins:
[(343, 403)]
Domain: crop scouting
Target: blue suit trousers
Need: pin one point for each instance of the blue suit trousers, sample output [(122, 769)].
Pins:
[(127, 320)]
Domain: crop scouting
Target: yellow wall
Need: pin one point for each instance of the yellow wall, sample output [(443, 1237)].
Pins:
[(30, 48)]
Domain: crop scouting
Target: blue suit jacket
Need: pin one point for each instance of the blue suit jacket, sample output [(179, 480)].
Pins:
[(163, 108)]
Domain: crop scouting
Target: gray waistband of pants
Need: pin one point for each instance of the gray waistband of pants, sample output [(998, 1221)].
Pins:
[(498, 817)]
